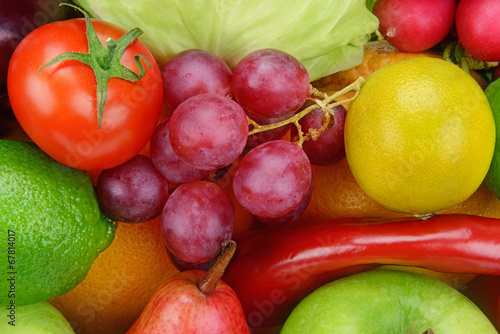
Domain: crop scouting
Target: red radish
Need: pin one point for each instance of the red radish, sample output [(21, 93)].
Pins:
[(415, 25), (478, 27)]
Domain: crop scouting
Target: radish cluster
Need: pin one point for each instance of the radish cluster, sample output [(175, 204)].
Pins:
[(418, 25)]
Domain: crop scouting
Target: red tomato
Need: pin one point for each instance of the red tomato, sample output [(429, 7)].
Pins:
[(57, 106)]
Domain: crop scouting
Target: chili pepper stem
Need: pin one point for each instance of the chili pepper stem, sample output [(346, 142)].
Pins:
[(209, 282), (424, 216)]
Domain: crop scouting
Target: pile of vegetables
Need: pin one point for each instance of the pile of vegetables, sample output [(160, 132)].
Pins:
[(273, 269)]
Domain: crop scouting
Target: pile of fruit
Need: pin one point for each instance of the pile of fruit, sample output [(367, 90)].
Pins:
[(225, 178)]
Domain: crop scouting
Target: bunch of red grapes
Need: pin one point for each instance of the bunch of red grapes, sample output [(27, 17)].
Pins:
[(207, 132)]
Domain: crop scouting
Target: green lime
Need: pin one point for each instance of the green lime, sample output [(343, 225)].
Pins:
[(52, 227), (493, 177), (39, 318)]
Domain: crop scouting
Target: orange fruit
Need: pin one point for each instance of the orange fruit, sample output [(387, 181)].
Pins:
[(377, 54), (482, 203), (336, 194), (120, 282)]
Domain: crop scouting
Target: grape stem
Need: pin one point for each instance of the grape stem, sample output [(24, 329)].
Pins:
[(209, 282), (320, 99)]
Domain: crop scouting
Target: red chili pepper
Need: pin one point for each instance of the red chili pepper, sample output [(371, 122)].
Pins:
[(273, 269)]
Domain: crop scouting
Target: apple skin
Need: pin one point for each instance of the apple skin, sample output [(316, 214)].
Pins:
[(387, 301), (39, 318), (178, 306)]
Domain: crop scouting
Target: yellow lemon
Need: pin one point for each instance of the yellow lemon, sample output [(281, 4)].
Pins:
[(420, 136)]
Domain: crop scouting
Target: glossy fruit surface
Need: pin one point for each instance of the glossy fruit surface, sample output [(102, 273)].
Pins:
[(194, 72), (196, 219), (16, 20), (270, 83), (53, 225), (273, 179), (133, 191), (329, 147), (39, 318), (167, 162), (477, 28), (208, 131), (336, 193), (415, 25), (178, 306), (384, 301), (120, 282), (411, 136), (57, 107)]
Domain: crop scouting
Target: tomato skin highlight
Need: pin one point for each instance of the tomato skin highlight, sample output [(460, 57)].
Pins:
[(57, 107)]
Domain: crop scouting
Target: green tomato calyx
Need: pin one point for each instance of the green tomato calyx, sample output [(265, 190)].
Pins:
[(105, 60)]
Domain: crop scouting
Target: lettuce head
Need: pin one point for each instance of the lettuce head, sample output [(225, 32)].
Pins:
[(327, 36)]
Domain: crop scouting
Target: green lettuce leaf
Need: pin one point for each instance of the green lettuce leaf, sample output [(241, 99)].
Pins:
[(327, 36), (370, 4)]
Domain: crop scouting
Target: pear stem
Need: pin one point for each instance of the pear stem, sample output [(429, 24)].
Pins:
[(209, 282), (428, 331)]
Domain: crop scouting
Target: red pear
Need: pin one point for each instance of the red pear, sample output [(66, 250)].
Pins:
[(195, 301)]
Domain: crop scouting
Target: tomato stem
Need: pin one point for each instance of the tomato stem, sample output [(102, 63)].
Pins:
[(105, 60)]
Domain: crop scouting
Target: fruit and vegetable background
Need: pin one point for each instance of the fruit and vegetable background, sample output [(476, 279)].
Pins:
[(243, 166)]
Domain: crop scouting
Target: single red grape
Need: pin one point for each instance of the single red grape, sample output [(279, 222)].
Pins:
[(133, 191), (194, 72), (208, 131), (196, 219), (273, 179), (270, 83)]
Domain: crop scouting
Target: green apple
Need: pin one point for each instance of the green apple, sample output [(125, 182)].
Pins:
[(387, 301), (39, 318)]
